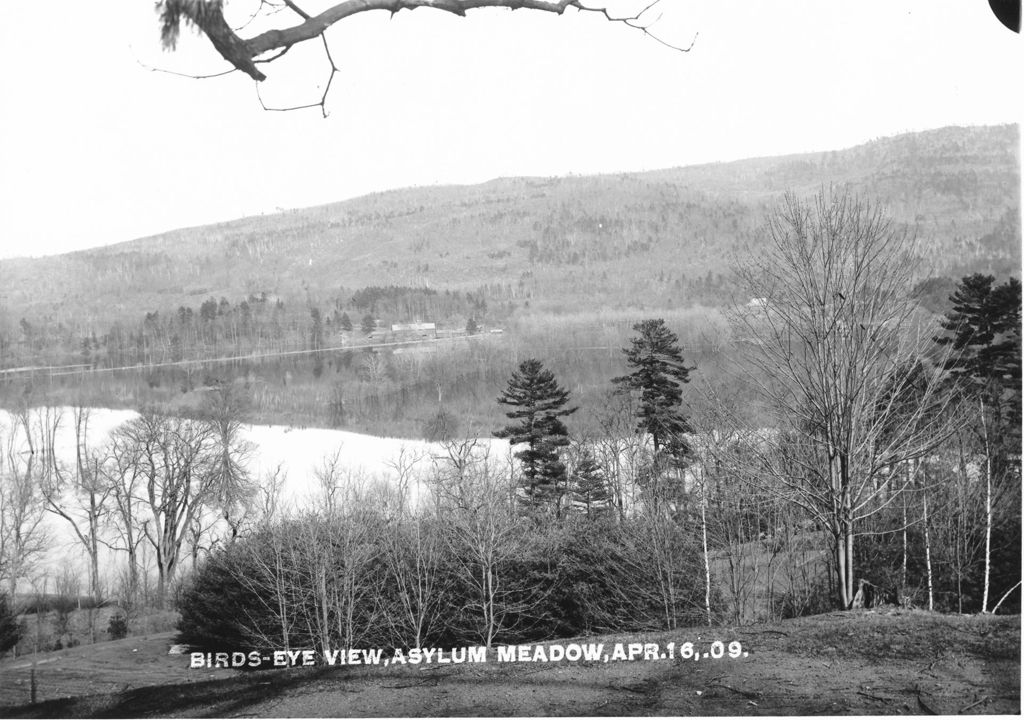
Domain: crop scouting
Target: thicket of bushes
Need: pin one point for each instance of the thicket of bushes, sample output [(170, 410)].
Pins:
[(319, 581)]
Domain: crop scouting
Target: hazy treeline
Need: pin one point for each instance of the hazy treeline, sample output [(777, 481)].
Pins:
[(255, 324), (394, 393)]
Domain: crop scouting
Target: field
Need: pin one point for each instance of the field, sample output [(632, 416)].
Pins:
[(900, 662)]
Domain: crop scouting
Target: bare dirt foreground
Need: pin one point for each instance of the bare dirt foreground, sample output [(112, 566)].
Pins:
[(842, 663)]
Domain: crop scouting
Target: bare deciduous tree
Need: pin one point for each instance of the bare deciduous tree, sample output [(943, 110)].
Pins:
[(834, 338), (80, 494), (413, 549), (476, 507), (225, 408), (178, 480), (620, 450), (122, 473), (22, 536)]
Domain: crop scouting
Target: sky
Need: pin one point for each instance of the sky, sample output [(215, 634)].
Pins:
[(98, 145)]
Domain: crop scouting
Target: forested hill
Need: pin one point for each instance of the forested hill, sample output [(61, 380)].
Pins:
[(653, 239)]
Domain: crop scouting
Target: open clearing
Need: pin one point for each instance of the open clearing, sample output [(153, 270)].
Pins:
[(903, 662)]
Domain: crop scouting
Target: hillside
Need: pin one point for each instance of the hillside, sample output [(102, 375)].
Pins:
[(659, 238)]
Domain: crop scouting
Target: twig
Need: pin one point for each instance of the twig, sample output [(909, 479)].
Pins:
[(635, 22), (190, 76), (424, 681), (322, 104), (744, 693), (965, 708), (272, 58), (297, 10), (874, 697), (256, 13)]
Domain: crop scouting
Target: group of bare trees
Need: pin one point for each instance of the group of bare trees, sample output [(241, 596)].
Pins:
[(872, 435), (445, 551), (158, 488), (839, 354)]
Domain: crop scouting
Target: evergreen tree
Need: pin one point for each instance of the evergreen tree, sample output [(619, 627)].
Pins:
[(658, 376), (316, 331), (369, 324), (346, 322), (985, 327), (985, 333), (471, 327), (589, 484), (539, 403)]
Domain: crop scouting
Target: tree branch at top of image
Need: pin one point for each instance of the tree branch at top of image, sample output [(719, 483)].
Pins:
[(245, 54)]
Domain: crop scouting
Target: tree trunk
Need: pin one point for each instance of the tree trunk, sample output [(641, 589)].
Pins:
[(839, 552), (903, 567), (160, 586), (707, 564), (928, 556), (988, 530), (849, 560), (844, 563), (988, 509), (133, 573)]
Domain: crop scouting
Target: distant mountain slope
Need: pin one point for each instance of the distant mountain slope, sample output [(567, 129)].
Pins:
[(659, 238)]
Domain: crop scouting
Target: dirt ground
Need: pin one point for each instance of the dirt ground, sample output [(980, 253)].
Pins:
[(910, 663)]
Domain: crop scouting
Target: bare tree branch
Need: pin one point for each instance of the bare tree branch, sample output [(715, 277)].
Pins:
[(322, 103), (208, 17), (188, 75)]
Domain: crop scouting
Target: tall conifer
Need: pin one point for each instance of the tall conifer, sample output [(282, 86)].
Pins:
[(658, 374), (539, 402)]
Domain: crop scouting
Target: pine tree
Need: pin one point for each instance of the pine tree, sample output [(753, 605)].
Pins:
[(658, 376), (471, 327), (368, 324), (985, 327), (346, 322), (589, 484), (539, 402)]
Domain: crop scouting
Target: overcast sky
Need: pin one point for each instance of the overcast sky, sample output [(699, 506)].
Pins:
[(95, 148)]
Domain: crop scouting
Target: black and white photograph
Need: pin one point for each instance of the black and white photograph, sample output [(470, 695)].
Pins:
[(510, 358)]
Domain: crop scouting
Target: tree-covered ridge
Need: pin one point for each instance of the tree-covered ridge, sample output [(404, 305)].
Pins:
[(554, 241)]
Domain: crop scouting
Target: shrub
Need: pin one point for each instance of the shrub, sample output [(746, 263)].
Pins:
[(10, 629), (215, 606), (118, 626), (556, 578)]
